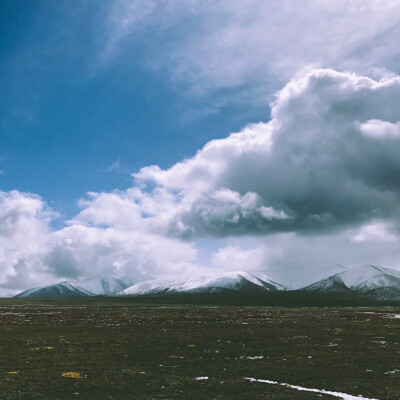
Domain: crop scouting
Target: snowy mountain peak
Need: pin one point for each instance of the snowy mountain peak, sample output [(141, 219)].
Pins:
[(385, 282), (368, 275), (237, 280)]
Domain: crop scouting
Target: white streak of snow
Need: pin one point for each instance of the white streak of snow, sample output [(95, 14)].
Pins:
[(340, 395)]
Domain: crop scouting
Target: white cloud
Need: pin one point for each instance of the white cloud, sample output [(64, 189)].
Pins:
[(288, 254), (24, 229), (377, 129), (252, 46), (123, 18), (309, 169), (233, 257), (375, 231), (307, 187), (270, 214), (81, 251), (33, 254)]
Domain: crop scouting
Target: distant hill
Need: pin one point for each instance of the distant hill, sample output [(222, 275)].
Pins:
[(63, 289)]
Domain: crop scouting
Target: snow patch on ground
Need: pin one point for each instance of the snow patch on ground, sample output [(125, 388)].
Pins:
[(340, 395), (395, 371), (253, 357)]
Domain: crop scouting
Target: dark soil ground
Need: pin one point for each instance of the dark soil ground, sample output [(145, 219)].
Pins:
[(115, 349)]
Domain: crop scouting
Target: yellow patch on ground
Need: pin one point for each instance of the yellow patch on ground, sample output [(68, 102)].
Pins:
[(176, 357), (75, 375), (42, 348), (191, 345), (12, 372)]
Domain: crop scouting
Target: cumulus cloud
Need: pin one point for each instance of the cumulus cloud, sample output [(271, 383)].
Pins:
[(34, 254), (321, 175), (24, 229), (311, 168), (79, 251)]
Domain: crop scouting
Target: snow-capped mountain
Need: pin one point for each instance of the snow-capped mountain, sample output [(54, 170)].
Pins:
[(368, 282), (211, 283), (297, 277), (63, 289), (371, 280), (102, 285)]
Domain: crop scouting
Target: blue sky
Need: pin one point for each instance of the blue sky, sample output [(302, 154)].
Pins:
[(68, 117), (165, 138)]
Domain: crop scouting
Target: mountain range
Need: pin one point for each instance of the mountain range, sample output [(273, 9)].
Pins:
[(106, 285), (336, 283)]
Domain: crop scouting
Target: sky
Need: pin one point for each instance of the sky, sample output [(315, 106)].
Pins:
[(165, 139)]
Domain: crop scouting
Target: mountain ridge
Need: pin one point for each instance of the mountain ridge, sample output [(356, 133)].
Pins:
[(368, 281), (210, 283)]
